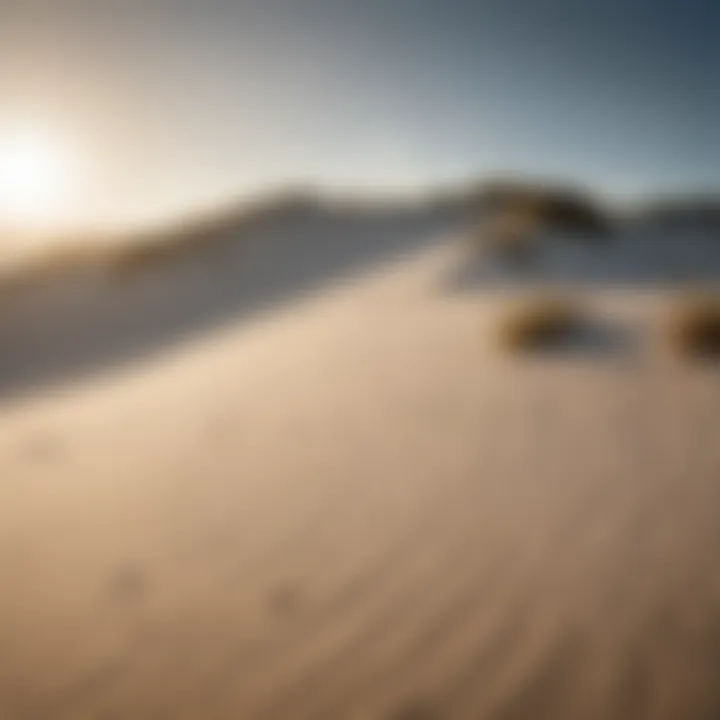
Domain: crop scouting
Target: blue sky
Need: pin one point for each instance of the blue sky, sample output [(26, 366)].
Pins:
[(181, 101)]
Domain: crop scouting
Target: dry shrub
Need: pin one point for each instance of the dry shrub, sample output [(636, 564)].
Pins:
[(564, 212), (513, 237), (565, 209), (537, 323), (693, 329), (574, 214)]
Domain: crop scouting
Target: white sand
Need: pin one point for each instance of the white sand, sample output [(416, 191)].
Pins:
[(354, 508)]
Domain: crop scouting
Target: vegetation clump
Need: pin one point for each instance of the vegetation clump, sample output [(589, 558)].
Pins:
[(693, 330), (568, 210), (538, 323)]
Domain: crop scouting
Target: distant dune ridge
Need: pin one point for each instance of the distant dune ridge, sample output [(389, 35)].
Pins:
[(683, 211), (93, 303), (550, 206), (127, 249)]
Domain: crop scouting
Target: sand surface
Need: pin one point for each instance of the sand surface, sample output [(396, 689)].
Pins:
[(353, 507)]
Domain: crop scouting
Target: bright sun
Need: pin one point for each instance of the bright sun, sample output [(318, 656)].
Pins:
[(38, 178)]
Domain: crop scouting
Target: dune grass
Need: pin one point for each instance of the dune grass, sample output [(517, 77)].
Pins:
[(570, 210), (693, 328), (537, 323), (513, 237)]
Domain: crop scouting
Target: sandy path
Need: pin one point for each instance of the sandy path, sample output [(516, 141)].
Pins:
[(357, 510)]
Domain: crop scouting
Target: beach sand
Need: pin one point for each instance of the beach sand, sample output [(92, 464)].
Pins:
[(355, 507)]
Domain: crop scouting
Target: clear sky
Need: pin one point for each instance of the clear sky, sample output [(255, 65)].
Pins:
[(176, 102)]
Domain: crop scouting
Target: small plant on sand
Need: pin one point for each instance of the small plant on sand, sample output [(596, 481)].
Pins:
[(513, 237), (565, 209), (573, 213), (693, 330), (537, 323)]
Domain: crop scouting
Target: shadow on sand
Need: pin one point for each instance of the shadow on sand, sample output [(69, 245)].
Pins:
[(634, 257), (592, 339), (79, 323)]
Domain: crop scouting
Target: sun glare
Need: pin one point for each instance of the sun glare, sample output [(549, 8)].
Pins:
[(38, 178)]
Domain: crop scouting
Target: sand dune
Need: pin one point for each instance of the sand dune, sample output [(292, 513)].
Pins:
[(352, 507), (93, 315)]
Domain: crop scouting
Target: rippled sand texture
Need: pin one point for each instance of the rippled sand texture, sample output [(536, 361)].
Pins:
[(356, 508)]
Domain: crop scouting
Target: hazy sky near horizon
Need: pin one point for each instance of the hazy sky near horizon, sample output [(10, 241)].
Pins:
[(177, 102)]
